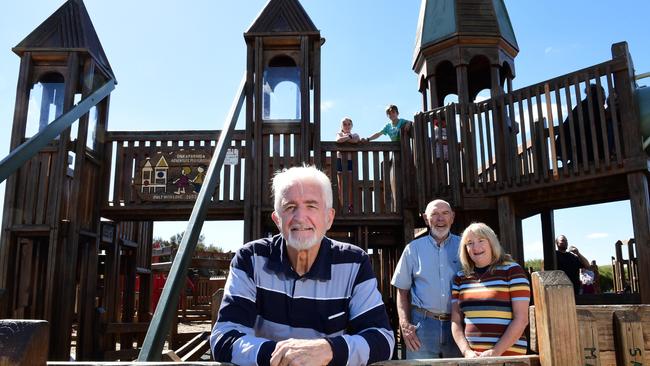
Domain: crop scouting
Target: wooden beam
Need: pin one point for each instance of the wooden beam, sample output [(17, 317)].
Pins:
[(508, 228), (640, 207), (548, 239), (556, 319)]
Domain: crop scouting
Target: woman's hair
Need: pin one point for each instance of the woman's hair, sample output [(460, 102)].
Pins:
[(485, 232), (346, 119), (286, 178)]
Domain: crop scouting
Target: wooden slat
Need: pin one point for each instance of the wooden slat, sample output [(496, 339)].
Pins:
[(588, 327), (542, 158), (354, 185), (551, 130), (376, 186), (581, 125), (367, 193), (524, 141), (490, 151), (613, 109), (561, 134), (388, 199), (227, 176), (630, 348), (484, 166), (603, 123), (572, 124), (535, 154), (593, 130), (237, 188)]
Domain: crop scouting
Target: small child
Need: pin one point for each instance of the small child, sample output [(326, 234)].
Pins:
[(393, 127), (345, 135)]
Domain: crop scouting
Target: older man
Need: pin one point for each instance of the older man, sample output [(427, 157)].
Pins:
[(425, 270), (570, 260), (300, 298)]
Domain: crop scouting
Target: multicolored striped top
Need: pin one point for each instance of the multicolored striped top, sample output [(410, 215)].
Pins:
[(486, 303)]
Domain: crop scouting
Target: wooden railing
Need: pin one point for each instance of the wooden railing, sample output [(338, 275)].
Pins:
[(374, 186), (567, 128), (367, 190), (128, 151)]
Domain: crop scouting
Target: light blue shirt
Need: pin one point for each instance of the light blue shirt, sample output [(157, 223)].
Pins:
[(427, 270), (393, 131)]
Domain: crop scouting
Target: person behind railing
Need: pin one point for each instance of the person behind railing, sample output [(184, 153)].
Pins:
[(300, 298), (392, 130), (490, 298), (424, 272), (592, 93), (570, 260), (345, 135)]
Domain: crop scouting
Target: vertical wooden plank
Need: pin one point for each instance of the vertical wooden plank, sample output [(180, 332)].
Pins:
[(484, 167), (627, 106), (266, 170), (474, 173), (287, 159), (465, 143), (556, 319), (225, 183), (356, 200), (367, 196), (603, 121), (276, 152), (376, 187), (238, 186), (572, 136), (524, 141), (630, 347), (541, 135), (432, 163), (397, 185), (388, 194), (589, 338), (551, 130), (512, 138), (533, 136), (548, 239), (613, 112), (561, 132), (640, 206), (454, 163), (491, 158), (593, 129), (333, 176), (346, 184), (581, 124)]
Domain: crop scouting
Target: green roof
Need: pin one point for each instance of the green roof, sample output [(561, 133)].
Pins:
[(442, 19)]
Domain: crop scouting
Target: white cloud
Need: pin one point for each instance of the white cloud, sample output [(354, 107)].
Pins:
[(597, 235), (548, 50), (326, 105)]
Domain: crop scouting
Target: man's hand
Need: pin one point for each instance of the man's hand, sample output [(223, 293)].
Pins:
[(302, 352), (410, 338)]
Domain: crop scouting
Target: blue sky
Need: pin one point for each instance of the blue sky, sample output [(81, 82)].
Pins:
[(178, 64)]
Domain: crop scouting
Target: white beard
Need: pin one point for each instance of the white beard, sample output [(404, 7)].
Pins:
[(439, 233), (303, 244)]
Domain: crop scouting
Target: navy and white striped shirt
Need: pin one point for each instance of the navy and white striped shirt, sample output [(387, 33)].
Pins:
[(266, 301)]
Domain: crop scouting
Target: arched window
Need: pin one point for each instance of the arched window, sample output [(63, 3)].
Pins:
[(281, 99), (45, 102)]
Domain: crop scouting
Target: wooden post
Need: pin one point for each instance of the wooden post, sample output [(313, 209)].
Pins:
[(508, 228), (640, 205), (629, 338), (23, 342), (548, 239), (589, 338), (556, 319)]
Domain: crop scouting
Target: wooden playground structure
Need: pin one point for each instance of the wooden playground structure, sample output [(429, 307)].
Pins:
[(79, 207)]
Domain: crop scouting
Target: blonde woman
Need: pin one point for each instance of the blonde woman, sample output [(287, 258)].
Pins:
[(345, 135), (489, 298)]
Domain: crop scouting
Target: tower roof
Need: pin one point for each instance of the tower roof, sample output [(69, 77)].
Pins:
[(282, 16), (443, 19), (70, 29)]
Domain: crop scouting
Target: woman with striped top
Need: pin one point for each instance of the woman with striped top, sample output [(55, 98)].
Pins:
[(490, 298)]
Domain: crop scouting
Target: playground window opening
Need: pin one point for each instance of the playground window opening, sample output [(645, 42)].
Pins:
[(281, 89), (45, 102)]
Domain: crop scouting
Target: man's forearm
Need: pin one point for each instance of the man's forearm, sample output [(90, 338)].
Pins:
[(403, 306)]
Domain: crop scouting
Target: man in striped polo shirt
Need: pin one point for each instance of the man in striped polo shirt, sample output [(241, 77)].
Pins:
[(300, 298)]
